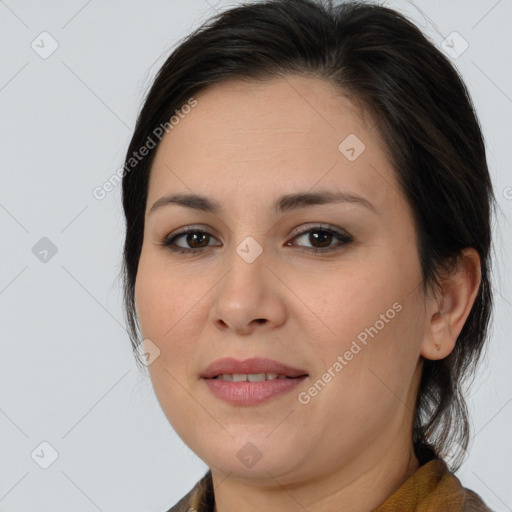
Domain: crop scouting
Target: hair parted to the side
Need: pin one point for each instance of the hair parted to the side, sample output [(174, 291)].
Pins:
[(424, 115)]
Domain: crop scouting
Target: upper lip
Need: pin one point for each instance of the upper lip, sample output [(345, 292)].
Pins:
[(229, 365)]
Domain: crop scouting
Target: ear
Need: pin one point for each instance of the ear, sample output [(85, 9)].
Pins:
[(449, 312)]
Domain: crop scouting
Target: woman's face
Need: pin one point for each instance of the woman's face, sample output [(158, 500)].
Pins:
[(351, 317)]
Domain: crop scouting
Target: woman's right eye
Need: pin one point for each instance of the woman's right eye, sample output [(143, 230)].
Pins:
[(196, 239)]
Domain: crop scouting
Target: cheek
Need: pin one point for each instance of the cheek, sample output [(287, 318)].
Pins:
[(167, 310), (148, 300), (356, 300), (161, 297), (375, 322), (373, 362), (162, 312)]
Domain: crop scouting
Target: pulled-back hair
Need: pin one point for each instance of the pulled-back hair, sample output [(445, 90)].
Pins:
[(424, 114)]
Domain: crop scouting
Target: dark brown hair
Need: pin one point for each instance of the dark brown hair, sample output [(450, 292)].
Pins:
[(423, 113)]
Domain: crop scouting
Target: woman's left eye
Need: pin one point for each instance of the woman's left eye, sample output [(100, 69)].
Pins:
[(321, 236)]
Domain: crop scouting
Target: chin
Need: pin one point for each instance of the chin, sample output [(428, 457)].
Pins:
[(250, 460)]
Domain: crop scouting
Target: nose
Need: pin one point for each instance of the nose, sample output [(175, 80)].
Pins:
[(249, 297)]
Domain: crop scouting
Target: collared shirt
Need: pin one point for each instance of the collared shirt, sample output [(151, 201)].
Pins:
[(432, 488)]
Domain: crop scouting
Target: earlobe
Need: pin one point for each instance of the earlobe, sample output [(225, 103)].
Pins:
[(458, 296)]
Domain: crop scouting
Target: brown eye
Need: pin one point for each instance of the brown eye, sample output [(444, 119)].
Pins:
[(194, 240), (321, 238), (197, 237)]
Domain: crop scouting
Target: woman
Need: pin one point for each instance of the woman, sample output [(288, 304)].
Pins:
[(306, 260)]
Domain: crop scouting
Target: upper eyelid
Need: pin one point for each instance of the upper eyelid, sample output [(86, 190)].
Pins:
[(298, 230), (320, 226)]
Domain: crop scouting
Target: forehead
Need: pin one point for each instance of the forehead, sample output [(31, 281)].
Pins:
[(284, 134)]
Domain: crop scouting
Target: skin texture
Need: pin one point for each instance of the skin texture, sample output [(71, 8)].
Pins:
[(243, 145)]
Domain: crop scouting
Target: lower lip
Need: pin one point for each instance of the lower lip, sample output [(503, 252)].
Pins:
[(251, 393)]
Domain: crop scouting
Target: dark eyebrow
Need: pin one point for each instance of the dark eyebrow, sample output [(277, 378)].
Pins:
[(283, 204)]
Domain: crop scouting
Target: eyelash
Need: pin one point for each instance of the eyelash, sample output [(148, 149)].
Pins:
[(344, 237)]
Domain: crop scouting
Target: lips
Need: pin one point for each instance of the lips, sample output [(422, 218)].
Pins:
[(229, 365)]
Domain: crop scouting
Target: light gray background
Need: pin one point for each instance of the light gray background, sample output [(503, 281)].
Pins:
[(67, 375)]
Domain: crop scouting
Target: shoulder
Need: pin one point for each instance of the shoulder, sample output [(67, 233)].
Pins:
[(447, 492), (474, 502), (433, 488), (199, 498), (183, 504)]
